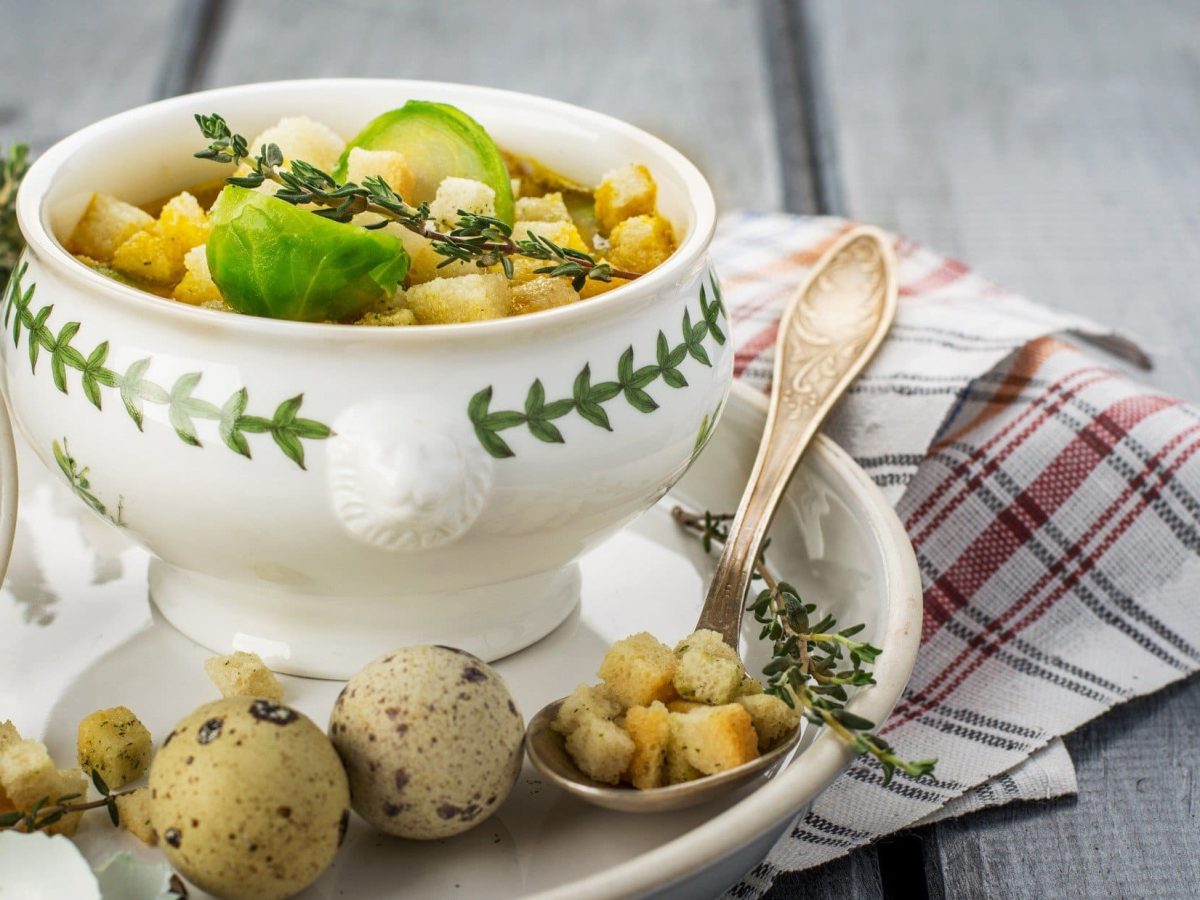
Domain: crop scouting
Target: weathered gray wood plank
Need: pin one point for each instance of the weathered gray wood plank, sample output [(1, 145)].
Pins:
[(691, 71), (1130, 833), (1051, 145), (66, 65)]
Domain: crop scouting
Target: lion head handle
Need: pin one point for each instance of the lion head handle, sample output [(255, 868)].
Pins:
[(402, 478)]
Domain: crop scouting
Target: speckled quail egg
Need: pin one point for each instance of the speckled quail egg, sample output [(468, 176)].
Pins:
[(431, 740), (249, 799)]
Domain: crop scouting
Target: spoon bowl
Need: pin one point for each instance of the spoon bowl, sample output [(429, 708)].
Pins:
[(548, 753)]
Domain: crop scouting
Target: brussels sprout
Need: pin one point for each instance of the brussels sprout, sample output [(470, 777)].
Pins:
[(438, 141), (272, 259)]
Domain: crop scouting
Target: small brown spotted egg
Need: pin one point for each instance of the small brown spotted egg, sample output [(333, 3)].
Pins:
[(431, 740), (249, 799)]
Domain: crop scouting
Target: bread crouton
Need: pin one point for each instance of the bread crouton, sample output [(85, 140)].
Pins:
[(148, 256), (114, 743), (541, 292), (547, 208), (650, 729), (196, 287), (586, 699), (565, 234), (243, 674), (717, 738), (455, 194), (772, 718), (638, 670), (682, 706), (133, 809), (750, 686), (299, 137), (183, 224), (28, 775), (8, 736), (395, 318), (641, 243), (594, 288), (600, 748), (425, 263), (623, 193), (106, 224), (467, 298), (707, 669), (678, 768), (386, 164)]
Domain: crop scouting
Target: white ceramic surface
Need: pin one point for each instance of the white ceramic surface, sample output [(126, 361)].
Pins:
[(408, 523), (77, 633)]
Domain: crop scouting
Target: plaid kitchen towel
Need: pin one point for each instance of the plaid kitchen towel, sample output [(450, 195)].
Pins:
[(1053, 505)]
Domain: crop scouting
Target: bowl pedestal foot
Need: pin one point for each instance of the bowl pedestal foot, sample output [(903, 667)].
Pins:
[(323, 636)]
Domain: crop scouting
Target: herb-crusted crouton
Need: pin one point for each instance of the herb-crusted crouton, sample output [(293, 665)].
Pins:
[(455, 194), (678, 768), (386, 164), (586, 699), (623, 193), (600, 748), (707, 669), (28, 776), (133, 809), (299, 137), (717, 738), (638, 670), (197, 286), (114, 743), (541, 292), (467, 298), (547, 208), (772, 718), (749, 686), (650, 728), (107, 223), (243, 674), (641, 243), (394, 318), (8, 737)]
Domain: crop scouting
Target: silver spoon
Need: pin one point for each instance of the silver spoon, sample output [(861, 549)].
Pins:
[(828, 332)]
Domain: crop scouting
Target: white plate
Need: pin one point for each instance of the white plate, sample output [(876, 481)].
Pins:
[(77, 633)]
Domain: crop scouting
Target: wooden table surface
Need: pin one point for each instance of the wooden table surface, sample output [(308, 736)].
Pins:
[(1053, 146)]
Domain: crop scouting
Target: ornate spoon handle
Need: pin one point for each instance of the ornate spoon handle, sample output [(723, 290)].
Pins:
[(829, 331)]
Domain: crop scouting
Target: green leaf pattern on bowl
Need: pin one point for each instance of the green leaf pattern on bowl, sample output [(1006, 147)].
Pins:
[(285, 426), (588, 397)]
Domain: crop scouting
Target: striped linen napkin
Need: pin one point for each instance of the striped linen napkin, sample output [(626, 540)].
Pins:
[(1051, 501)]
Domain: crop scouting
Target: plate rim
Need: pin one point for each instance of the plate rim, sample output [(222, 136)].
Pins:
[(826, 758)]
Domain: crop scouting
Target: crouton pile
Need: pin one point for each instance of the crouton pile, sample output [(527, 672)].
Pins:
[(618, 223), (663, 716)]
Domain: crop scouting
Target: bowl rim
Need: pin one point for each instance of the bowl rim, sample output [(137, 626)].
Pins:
[(808, 774), (31, 212)]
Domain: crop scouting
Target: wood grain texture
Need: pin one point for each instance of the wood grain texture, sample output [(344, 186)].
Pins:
[(1131, 832), (1051, 145), (68, 64), (658, 65)]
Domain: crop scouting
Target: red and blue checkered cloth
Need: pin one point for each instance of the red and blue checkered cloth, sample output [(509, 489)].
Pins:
[(1053, 503)]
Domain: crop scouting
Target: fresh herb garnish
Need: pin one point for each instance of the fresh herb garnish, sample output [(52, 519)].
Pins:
[(43, 814), (812, 661), (484, 240), (13, 166)]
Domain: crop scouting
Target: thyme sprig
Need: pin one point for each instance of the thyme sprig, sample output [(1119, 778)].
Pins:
[(13, 166), (813, 662), (484, 240), (45, 813)]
